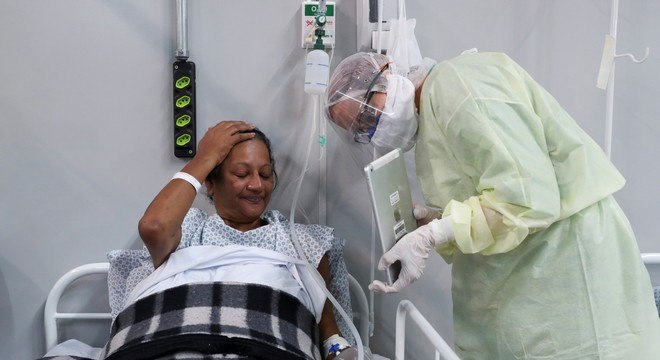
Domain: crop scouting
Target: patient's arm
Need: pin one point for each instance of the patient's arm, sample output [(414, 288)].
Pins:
[(160, 226), (327, 325)]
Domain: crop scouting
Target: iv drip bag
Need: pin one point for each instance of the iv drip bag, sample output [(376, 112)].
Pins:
[(317, 72)]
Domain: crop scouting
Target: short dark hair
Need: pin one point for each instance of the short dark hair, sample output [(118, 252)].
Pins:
[(216, 173)]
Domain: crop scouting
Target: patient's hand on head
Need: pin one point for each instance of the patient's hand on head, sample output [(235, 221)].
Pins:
[(221, 138), (160, 226)]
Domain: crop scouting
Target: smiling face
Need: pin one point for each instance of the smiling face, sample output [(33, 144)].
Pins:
[(245, 181)]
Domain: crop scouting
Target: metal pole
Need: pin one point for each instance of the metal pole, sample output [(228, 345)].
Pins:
[(181, 30), (609, 96)]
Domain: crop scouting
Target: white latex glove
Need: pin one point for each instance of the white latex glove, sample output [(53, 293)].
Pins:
[(425, 215), (413, 250)]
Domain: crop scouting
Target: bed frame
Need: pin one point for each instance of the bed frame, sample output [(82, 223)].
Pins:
[(358, 299), (651, 258), (51, 315)]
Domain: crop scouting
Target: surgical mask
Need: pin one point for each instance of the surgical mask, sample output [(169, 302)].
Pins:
[(397, 126)]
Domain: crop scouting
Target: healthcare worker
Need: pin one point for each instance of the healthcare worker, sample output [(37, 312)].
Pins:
[(545, 263)]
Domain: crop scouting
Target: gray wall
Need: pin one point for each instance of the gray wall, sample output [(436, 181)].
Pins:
[(85, 141)]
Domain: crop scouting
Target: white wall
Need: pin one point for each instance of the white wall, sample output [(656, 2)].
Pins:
[(85, 141)]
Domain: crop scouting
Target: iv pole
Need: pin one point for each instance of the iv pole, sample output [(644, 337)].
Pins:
[(606, 73)]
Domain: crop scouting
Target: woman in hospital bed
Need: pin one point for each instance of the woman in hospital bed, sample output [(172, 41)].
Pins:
[(229, 282)]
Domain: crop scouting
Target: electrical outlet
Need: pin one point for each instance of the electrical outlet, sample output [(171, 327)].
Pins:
[(183, 81)]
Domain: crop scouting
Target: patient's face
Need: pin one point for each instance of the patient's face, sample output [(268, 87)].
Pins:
[(245, 185)]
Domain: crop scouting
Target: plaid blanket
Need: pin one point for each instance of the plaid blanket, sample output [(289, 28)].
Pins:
[(213, 320)]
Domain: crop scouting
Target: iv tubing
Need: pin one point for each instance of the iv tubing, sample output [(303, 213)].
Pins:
[(301, 253), (322, 165)]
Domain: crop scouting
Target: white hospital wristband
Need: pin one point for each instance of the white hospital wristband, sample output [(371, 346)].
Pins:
[(189, 178)]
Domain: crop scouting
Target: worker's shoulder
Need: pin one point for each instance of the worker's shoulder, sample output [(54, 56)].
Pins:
[(479, 66), (479, 59)]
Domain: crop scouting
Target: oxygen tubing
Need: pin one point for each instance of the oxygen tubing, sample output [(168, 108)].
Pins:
[(301, 253)]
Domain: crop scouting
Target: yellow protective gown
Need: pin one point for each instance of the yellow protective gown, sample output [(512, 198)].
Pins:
[(554, 271)]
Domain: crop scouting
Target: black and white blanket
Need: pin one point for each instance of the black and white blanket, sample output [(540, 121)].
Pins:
[(214, 320)]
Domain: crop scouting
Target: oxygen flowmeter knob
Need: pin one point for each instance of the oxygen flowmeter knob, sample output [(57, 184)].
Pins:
[(317, 71), (321, 20)]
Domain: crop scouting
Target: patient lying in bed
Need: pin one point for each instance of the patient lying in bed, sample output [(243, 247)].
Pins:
[(231, 282), (246, 268)]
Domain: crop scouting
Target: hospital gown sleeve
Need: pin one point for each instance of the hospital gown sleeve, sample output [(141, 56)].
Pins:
[(191, 228), (500, 146)]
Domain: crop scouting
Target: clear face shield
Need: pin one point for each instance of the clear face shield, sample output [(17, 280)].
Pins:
[(352, 103), (368, 116), (385, 118)]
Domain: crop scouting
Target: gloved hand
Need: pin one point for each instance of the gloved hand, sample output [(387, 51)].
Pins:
[(425, 215), (413, 250)]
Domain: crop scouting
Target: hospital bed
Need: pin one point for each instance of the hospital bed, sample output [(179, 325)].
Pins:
[(72, 347), (358, 303)]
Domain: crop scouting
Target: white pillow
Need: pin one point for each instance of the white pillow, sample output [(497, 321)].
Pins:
[(127, 269)]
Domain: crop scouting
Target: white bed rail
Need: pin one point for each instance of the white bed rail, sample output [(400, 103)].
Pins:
[(50, 310), (651, 258), (361, 309), (441, 346)]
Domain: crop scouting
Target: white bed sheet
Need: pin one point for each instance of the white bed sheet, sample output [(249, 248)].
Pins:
[(235, 263), (74, 347)]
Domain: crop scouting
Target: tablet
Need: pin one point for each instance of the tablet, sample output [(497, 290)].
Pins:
[(391, 200)]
